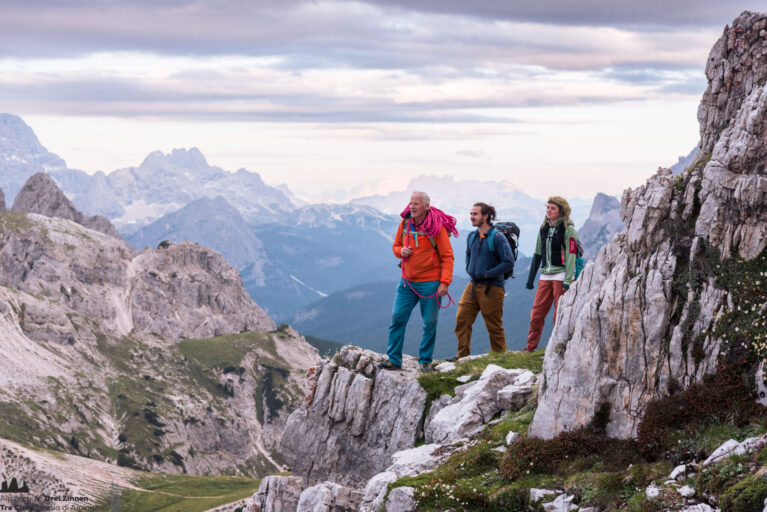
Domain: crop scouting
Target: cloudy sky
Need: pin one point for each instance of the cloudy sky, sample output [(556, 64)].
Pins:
[(559, 97)]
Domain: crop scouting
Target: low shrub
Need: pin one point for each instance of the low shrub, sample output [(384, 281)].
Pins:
[(579, 449), (723, 396)]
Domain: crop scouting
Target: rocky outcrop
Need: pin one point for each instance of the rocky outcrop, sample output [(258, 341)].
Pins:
[(185, 290), (214, 223), (735, 67), (359, 424), (278, 494), (603, 223), (476, 403), (178, 291), (362, 416), (2, 202), (41, 195), (638, 319), (412, 462)]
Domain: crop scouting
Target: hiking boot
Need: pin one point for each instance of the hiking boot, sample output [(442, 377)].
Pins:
[(388, 365), (451, 359), (426, 368)]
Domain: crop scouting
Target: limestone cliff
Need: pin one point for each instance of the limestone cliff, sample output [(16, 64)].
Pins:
[(642, 319)]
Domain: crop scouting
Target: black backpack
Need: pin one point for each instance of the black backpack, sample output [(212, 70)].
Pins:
[(511, 232)]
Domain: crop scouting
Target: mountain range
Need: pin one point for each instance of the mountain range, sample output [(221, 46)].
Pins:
[(276, 241)]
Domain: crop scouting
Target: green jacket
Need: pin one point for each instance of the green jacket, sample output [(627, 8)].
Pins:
[(551, 263)]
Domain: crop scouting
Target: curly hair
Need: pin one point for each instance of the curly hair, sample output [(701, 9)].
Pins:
[(564, 209), (486, 209)]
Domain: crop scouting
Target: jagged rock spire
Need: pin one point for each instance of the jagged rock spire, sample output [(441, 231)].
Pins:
[(41, 195)]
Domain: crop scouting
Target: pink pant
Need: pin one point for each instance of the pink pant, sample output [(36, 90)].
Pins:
[(548, 292)]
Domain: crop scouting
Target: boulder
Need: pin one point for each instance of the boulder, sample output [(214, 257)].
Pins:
[(474, 406), (561, 503), (278, 494), (652, 491), (328, 497), (699, 507), (412, 462), (539, 494), (732, 447), (514, 397), (401, 499)]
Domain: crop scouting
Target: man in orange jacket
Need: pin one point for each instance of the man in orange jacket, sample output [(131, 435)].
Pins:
[(427, 270)]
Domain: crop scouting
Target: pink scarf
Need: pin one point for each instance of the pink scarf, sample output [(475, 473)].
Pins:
[(434, 221)]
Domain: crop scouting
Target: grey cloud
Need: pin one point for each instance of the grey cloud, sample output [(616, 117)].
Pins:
[(373, 34), (126, 98), (646, 13)]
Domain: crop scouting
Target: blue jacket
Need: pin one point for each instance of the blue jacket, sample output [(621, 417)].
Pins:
[(485, 267)]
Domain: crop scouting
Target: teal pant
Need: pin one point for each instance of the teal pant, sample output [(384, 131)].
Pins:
[(404, 302)]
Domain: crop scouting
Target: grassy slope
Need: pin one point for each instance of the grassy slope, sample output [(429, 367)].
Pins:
[(184, 493)]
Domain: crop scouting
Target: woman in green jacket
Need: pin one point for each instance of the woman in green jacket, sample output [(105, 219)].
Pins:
[(555, 253)]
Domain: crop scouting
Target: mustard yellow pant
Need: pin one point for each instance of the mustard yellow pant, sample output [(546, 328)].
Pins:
[(478, 298)]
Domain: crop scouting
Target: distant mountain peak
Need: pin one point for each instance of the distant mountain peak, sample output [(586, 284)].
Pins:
[(14, 128), (191, 157), (603, 203)]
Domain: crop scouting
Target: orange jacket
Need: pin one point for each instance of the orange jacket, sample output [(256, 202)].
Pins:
[(425, 264)]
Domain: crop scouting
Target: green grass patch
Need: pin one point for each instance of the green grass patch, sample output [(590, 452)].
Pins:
[(718, 477), (470, 480), (437, 384), (173, 493), (16, 425), (517, 421), (746, 496), (617, 490), (530, 361), (14, 221), (701, 439)]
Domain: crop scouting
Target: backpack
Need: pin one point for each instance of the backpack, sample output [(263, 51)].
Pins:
[(579, 263), (508, 230)]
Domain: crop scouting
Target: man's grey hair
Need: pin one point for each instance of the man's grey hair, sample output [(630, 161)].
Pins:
[(424, 196)]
